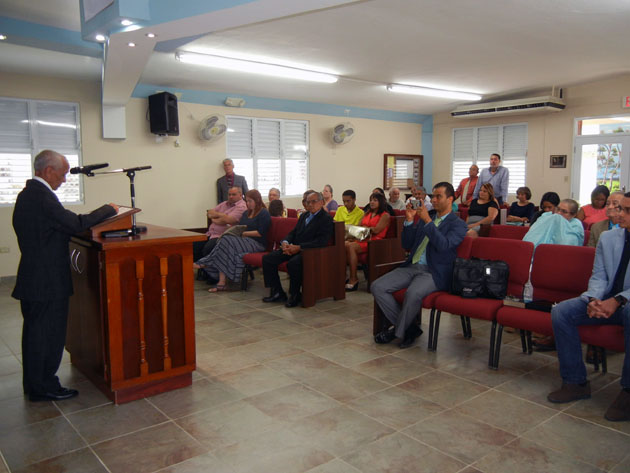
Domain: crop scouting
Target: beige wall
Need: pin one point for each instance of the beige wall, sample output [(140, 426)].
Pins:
[(181, 184), (548, 134)]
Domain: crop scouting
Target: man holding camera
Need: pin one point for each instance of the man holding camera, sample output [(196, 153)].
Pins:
[(428, 268)]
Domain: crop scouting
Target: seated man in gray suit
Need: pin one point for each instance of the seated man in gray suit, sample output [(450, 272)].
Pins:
[(313, 230), (428, 268), (228, 181)]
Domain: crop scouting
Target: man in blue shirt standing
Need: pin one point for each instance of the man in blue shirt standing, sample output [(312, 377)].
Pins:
[(498, 176), (428, 268)]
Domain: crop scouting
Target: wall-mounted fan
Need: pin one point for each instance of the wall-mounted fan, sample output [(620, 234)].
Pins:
[(342, 133), (212, 128)]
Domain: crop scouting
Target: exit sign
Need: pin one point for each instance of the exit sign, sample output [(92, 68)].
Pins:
[(625, 101)]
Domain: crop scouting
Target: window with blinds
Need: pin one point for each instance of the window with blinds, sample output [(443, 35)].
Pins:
[(475, 145), (270, 153), (28, 127)]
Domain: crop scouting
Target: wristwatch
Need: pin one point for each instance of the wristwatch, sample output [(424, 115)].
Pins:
[(621, 300)]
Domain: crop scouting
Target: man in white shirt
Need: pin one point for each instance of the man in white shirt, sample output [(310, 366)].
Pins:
[(394, 199)]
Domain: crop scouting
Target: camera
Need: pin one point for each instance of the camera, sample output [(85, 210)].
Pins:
[(415, 204)]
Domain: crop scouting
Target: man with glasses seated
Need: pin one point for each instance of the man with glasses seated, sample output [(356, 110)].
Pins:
[(313, 230), (560, 228), (613, 212), (603, 303)]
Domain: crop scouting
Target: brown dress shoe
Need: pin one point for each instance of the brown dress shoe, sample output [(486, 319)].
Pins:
[(620, 409), (570, 392)]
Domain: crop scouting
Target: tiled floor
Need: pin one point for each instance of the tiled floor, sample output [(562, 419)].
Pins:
[(307, 390)]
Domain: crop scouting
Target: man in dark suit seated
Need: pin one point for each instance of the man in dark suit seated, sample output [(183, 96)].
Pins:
[(225, 183), (43, 228), (313, 230), (429, 267)]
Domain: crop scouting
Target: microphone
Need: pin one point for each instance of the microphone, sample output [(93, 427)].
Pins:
[(87, 170)]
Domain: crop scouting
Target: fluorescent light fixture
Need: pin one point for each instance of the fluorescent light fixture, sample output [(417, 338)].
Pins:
[(427, 91), (150, 35), (3, 37), (131, 45), (126, 22), (99, 37), (254, 67)]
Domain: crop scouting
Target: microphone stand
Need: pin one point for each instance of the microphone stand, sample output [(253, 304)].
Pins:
[(131, 174)]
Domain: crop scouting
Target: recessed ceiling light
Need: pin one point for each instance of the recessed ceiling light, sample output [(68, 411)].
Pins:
[(3, 37), (131, 45), (99, 37), (126, 22), (150, 35)]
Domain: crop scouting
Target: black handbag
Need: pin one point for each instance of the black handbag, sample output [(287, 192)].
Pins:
[(476, 277)]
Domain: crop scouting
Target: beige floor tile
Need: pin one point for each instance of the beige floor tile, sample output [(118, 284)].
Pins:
[(222, 361), (459, 435), (344, 384), (395, 407), (340, 430), (292, 402), (581, 440), (109, 421), (523, 456), (89, 396), (148, 450), (349, 330), (254, 380), (391, 369), (200, 395), (268, 350), (303, 366), (398, 453), (348, 353), (19, 411), (506, 412), (443, 388), (594, 409), (476, 369), (33, 443), (254, 317), (334, 466), (312, 339), (206, 463), (79, 461)]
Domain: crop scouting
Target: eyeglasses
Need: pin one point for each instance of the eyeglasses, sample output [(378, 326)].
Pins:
[(616, 208), (563, 211), (625, 210), (312, 201)]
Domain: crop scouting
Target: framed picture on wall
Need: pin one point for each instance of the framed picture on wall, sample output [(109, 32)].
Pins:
[(558, 161), (402, 171)]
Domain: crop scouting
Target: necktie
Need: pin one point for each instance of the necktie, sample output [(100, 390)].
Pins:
[(623, 266), (308, 219), (423, 245)]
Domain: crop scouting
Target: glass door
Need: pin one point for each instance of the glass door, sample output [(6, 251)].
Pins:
[(602, 156)]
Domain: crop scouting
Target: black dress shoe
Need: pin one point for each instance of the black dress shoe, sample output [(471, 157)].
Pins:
[(412, 332), (294, 300), (58, 395), (279, 296), (385, 336)]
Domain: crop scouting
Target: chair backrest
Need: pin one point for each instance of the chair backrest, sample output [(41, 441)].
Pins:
[(398, 212), (587, 235), (561, 272), (292, 213), (278, 230), (514, 232), (463, 213), (332, 213), (516, 253), (464, 248), (394, 230)]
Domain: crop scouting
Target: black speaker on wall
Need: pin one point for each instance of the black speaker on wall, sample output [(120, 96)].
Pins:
[(163, 114)]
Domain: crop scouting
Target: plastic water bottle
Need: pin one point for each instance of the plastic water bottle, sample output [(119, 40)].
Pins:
[(528, 292)]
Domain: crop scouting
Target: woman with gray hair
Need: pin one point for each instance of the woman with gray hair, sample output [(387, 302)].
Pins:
[(330, 204)]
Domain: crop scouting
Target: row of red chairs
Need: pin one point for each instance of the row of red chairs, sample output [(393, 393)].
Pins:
[(514, 232), (559, 272)]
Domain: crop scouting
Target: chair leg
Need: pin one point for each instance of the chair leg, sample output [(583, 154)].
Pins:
[(604, 361), (436, 329), (497, 350), (468, 328), (530, 347), (523, 341), (431, 324), (463, 320), (244, 279), (595, 351), (493, 334), (250, 270)]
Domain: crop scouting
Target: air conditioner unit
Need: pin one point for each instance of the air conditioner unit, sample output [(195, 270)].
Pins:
[(510, 107)]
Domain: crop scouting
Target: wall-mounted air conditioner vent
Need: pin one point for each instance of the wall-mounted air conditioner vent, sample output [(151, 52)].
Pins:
[(510, 107)]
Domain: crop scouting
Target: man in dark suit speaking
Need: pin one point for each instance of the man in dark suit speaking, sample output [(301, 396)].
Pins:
[(43, 228), (429, 267), (313, 230)]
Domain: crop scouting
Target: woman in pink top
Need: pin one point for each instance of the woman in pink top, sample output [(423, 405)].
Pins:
[(596, 210)]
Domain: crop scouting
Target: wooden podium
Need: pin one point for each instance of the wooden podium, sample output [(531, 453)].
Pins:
[(131, 325)]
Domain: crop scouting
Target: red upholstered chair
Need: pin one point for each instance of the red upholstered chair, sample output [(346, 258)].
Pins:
[(559, 272), (518, 255), (602, 337), (463, 251), (463, 213), (292, 213), (515, 232), (399, 213)]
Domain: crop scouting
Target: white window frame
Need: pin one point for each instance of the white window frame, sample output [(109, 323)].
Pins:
[(483, 161), (283, 159), (36, 145)]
